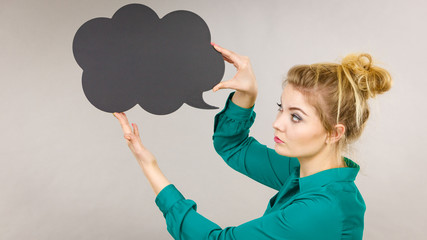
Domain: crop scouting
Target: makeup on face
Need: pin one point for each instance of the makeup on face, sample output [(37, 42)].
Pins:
[(277, 140)]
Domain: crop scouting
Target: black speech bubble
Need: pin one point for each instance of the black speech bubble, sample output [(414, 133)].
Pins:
[(137, 58)]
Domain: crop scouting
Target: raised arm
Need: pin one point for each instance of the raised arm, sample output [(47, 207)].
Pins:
[(245, 154), (231, 129)]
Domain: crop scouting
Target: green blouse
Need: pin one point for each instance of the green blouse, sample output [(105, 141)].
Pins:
[(324, 205)]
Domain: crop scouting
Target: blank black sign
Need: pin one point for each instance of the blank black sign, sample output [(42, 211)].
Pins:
[(137, 58)]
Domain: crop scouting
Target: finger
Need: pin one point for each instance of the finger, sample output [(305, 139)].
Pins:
[(135, 128), (124, 122), (230, 55), (226, 59), (225, 84), (216, 87)]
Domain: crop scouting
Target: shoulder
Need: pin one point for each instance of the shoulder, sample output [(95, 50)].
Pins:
[(345, 195)]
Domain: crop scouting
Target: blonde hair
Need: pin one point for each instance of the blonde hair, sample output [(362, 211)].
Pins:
[(339, 92)]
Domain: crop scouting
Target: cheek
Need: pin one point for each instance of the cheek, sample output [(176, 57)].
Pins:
[(299, 136), (304, 136)]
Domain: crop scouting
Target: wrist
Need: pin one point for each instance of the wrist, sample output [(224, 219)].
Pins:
[(244, 100), (147, 164), (145, 158)]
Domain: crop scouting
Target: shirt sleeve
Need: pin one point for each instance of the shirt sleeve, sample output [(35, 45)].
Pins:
[(315, 218), (245, 154)]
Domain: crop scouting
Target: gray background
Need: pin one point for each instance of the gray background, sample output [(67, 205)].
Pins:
[(67, 173)]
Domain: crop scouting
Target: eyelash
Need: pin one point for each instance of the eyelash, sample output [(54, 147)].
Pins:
[(293, 115)]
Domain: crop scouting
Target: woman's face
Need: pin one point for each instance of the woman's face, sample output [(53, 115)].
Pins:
[(298, 126)]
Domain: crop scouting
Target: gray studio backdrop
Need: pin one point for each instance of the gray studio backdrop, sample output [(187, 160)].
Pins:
[(67, 173)]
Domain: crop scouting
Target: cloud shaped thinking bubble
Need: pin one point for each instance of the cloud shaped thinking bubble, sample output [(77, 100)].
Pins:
[(137, 58)]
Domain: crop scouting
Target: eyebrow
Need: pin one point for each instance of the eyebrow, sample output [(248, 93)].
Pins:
[(294, 108)]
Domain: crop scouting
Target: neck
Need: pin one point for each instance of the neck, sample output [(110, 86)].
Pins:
[(325, 159)]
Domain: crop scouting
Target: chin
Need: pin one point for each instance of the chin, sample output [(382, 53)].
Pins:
[(280, 151), (284, 151)]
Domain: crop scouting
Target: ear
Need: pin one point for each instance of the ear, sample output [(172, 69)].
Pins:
[(336, 135)]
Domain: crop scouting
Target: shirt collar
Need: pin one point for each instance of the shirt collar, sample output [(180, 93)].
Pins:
[(347, 174)]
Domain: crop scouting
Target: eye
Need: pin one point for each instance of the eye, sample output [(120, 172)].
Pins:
[(294, 116), (280, 107)]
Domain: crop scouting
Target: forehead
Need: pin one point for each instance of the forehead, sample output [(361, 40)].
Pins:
[(293, 98)]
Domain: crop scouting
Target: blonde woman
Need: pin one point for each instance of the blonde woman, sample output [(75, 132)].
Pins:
[(322, 109)]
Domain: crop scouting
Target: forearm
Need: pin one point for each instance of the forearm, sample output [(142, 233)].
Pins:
[(243, 100), (155, 176)]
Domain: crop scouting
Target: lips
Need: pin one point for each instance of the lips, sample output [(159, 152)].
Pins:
[(276, 139)]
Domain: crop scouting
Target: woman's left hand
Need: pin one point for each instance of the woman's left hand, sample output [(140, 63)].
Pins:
[(142, 155)]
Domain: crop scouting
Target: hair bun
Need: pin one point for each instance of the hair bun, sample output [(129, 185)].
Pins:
[(370, 79)]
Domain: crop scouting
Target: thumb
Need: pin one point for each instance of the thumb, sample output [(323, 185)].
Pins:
[(222, 85)]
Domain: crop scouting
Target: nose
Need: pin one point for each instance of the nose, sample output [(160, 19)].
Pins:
[(279, 123)]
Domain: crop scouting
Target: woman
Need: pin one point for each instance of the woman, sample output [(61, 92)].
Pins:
[(323, 108)]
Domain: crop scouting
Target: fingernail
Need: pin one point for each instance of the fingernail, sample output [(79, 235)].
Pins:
[(212, 43)]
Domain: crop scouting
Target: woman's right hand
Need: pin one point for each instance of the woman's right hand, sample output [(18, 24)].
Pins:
[(244, 81)]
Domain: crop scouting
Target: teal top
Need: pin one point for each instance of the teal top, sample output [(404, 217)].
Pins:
[(324, 205)]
